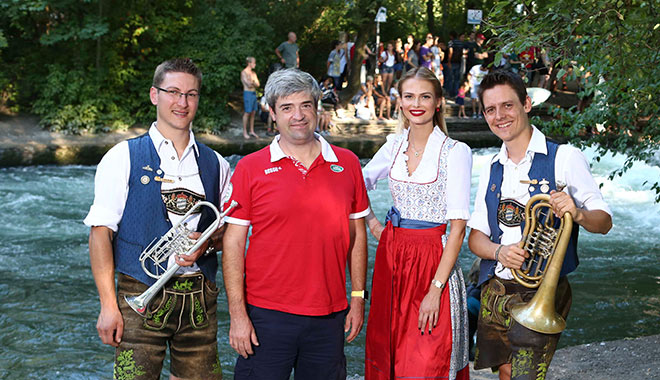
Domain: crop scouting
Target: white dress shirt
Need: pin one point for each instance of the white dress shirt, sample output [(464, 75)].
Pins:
[(112, 175), (571, 168)]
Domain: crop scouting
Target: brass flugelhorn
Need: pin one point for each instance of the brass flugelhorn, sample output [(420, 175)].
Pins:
[(173, 242), (545, 239)]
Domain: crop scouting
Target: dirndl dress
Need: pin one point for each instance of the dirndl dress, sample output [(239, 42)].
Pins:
[(407, 257)]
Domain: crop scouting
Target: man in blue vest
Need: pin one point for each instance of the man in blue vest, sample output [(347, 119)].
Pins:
[(527, 164), (143, 186)]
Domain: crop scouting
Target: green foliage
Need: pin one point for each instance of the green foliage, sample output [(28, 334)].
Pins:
[(71, 102), (88, 66), (611, 49)]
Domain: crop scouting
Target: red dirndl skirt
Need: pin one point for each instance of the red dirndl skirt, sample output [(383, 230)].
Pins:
[(406, 261)]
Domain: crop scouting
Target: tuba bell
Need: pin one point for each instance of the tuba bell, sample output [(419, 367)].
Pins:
[(545, 239), (173, 242)]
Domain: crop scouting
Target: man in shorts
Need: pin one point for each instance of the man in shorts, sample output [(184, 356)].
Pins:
[(144, 186), (527, 164), (250, 104)]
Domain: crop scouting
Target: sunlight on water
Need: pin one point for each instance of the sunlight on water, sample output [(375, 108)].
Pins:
[(50, 305)]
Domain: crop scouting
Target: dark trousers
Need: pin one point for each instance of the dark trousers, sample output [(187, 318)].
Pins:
[(455, 75), (312, 346)]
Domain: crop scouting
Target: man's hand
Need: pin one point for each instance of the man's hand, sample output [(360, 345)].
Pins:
[(188, 260), (512, 256), (563, 203), (354, 318), (110, 326), (242, 335), (429, 310)]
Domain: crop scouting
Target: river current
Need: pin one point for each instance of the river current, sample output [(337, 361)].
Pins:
[(49, 304)]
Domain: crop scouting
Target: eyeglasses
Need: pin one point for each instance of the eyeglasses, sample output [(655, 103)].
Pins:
[(174, 94)]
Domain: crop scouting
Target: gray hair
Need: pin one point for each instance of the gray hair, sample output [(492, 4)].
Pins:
[(283, 83)]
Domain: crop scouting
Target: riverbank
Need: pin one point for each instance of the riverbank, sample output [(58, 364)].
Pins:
[(23, 142)]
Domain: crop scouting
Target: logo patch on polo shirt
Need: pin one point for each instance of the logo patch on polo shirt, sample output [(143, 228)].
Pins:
[(336, 168), (178, 201), (272, 170)]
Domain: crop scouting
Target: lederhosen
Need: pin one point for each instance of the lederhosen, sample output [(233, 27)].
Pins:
[(500, 339), (185, 309)]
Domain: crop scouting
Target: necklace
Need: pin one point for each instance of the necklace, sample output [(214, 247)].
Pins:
[(415, 151)]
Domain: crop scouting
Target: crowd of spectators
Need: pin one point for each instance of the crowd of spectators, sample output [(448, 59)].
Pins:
[(459, 63)]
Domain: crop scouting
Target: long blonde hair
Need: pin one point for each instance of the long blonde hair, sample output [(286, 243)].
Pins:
[(427, 75)]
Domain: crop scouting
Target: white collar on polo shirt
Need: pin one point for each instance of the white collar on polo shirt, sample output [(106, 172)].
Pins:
[(276, 152), (158, 139), (536, 145)]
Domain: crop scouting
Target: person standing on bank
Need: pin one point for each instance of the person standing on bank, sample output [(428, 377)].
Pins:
[(250, 82), (528, 163), (288, 52), (306, 202), (143, 186), (417, 324)]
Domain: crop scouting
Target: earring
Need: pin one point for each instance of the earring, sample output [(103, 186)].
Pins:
[(437, 109)]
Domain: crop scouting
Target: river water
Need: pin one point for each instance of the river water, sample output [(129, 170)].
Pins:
[(49, 304)]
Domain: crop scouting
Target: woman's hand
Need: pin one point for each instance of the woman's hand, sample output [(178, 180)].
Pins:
[(429, 310), (376, 230)]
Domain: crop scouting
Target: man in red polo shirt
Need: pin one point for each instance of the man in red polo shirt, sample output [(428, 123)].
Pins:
[(306, 202)]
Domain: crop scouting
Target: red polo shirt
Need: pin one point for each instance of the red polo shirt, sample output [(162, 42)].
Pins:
[(296, 258)]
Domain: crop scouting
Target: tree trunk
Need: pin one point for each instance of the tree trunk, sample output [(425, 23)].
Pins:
[(360, 54), (445, 19), (430, 17)]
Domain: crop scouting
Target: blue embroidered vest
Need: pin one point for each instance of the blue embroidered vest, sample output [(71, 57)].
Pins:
[(543, 166), (145, 216)]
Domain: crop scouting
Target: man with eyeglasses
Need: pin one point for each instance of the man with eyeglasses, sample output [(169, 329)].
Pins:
[(143, 186)]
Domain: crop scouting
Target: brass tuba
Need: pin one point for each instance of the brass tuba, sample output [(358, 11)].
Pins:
[(173, 242), (545, 239)]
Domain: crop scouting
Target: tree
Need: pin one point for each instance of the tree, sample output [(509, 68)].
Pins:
[(611, 48)]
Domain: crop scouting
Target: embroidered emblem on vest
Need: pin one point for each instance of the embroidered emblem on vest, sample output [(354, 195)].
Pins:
[(178, 201), (147, 168), (145, 179), (510, 213), (336, 168)]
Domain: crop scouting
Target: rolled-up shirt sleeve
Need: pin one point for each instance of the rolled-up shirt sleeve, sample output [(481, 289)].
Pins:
[(581, 185), (459, 176), (479, 218), (110, 188)]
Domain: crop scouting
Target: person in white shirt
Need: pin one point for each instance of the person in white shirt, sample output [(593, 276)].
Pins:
[(528, 163), (476, 75), (418, 311), (143, 186)]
